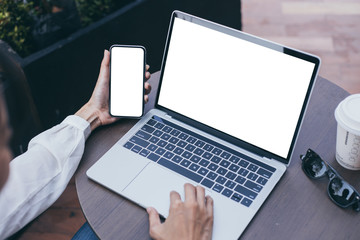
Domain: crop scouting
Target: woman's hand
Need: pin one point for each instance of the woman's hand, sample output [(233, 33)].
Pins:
[(96, 110), (188, 220)]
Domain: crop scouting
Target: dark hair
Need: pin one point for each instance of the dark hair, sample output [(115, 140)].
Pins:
[(22, 113)]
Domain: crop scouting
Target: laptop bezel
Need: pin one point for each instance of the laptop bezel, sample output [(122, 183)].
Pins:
[(256, 40)]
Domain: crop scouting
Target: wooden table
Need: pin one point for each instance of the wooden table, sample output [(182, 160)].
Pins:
[(298, 208)]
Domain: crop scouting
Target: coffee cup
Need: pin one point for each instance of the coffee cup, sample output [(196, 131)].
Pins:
[(347, 115)]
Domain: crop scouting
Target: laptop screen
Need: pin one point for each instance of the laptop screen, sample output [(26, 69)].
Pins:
[(235, 83)]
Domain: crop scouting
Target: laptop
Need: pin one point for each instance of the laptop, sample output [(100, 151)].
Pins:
[(227, 114)]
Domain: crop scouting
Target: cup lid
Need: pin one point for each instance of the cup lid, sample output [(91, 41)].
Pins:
[(347, 114)]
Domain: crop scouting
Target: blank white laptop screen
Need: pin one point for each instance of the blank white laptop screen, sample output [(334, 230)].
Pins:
[(240, 88)]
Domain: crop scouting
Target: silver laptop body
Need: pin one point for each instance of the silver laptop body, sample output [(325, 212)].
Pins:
[(227, 116)]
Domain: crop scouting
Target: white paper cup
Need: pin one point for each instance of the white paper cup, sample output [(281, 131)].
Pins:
[(347, 115)]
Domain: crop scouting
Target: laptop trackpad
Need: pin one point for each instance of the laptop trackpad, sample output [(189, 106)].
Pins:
[(117, 168), (152, 188)]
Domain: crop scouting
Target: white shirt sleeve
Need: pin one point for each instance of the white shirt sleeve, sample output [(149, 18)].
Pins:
[(38, 177)]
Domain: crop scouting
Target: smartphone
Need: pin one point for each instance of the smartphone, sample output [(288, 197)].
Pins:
[(127, 77)]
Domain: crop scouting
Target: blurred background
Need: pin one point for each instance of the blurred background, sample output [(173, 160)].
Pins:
[(50, 54)]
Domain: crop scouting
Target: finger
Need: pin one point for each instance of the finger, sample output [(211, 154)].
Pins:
[(210, 206), (147, 67), (147, 88), (174, 196), (104, 69), (190, 193), (154, 220), (147, 75), (146, 98), (200, 195), (175, 202)]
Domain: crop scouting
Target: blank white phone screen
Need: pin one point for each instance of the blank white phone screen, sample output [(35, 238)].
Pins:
[(127, 81)]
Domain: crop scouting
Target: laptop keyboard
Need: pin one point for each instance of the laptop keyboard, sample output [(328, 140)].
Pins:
[(204, 161)]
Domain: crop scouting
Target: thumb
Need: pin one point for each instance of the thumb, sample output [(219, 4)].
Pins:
[(154, 219), (104, 68)]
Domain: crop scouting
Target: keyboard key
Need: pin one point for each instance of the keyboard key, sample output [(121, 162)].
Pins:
[(207, 183), (136, 149), (207, 155), (173, 140), (176, 159), (165, 136), (234, 159), (191, 140), (215, 159), (139, 141), (185, 163), (203, 171), (194, 167), (225, 163), (243, 163), (212, 175), (225, 155), (218, 188), (213, 167), (261, 181), (243, 172), (246, 202), (221, 171), (227, 192), (234, 168), (246, 192), (148, 129), (154, 157), (252, 176), (198, 151), (154, 139), (170, 147), (178, 150), (161, 143), (128, 145), (143, 135), (253, 167), (221, 180), (230, 184), (183, 136), (216, 151), (160, 151), (167, 129), (181, 144), (240, 179), (144, 152), (158, 133), (208, 147), (253, 186), (204, 163), (175, 132), (230, 175), (264, 173), (187, 155), (159, 125), (195, 159), (199, 143), (151, 122), (190, 147), (179, 169), (236, 197), (168, 155)]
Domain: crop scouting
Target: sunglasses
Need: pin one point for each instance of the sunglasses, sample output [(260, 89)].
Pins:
[(339, 191)]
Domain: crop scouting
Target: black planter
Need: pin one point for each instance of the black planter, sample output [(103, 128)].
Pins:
[(62, 76)]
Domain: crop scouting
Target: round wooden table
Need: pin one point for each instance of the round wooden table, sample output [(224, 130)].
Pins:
[(298, 208)]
